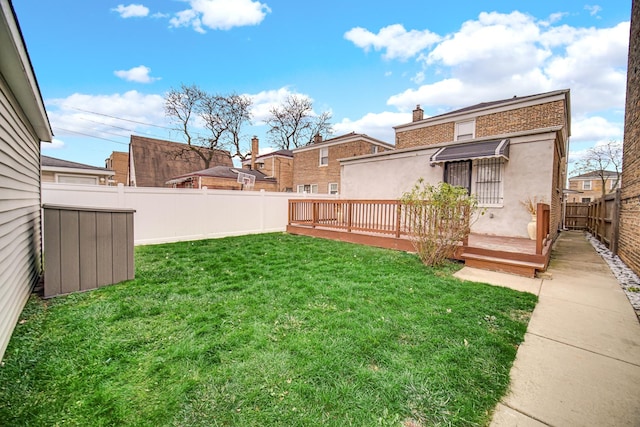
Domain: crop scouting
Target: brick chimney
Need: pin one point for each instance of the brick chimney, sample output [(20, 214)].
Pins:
[(317, 138), (418, 114), (254, 151)]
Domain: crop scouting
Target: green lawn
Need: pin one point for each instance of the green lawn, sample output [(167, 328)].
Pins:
[(266, 330)]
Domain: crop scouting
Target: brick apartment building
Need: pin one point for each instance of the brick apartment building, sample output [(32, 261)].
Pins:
[(317, 167), (629, 243), (118, 162), (588, 186)]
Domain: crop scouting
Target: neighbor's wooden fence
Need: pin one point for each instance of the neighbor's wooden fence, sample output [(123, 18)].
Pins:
[(604, 220), (576, 215)]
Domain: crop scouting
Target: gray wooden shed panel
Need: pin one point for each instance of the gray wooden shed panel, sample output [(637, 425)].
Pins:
[(104, 249)]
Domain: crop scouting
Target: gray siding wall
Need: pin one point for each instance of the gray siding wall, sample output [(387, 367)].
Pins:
[(20, 247)]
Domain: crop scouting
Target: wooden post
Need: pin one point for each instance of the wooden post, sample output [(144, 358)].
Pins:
[(349, 206), (398, 216), (314, 214), (615, 223)]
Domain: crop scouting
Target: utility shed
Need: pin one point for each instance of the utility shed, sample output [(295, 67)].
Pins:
[(23, 125)]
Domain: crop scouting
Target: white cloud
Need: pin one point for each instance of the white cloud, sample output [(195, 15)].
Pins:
[(220, 14), (76, 114), (131, 11), (376, 125), (266, 100), (593, 9), (498, 56), (55, 144), (597, 129), (394, 39), (139, 74)]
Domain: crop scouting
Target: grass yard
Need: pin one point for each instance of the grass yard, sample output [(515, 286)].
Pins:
[(266, 330)]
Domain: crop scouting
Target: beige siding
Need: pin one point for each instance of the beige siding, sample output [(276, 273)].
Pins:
[(20, 253)]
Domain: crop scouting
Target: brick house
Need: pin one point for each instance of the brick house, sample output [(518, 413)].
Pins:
[(277, 165), (629, 243), (502, 151), (225, 178), (118, 162), (588, 186), (153, 162), (317, 168)]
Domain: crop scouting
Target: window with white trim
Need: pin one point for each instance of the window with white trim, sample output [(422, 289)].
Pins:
[(465, 130), (586, 199), (374, 149), (324, 156), (308, 188), (333, 188), (614, 184), (586, 185), (77, 179), (481, 177)]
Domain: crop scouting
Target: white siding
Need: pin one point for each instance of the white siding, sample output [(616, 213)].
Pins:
[(20, 248)]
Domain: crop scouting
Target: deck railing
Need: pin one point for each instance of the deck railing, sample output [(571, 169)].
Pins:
[(387, 217), (369, 216)]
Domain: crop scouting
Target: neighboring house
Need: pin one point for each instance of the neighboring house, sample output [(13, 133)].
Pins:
[(588, 186), (118, 162), (316, 167), (153, 162), (277, 165), (629, 243), (23, 125), (502, 151), (225, 178), (66, 172)]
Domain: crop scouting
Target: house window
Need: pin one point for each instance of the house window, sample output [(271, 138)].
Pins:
[(586, 199), (324, 156), (465, 130), (333, 188), (481, 177), (308, 188), (77, 179), (374, 149), (458, 174), (586, 185), (488, 181)]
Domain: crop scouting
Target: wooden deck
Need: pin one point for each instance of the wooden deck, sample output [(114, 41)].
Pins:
[(381, 223)]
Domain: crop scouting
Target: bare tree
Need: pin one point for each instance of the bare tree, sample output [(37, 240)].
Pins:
[(292, 124), (222, 115), (604, 161), (180, 106)]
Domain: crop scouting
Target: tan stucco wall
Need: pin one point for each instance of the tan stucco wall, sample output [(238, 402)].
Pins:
[(528, 172)]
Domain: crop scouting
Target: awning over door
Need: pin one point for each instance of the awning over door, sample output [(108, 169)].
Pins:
[(472, 150)]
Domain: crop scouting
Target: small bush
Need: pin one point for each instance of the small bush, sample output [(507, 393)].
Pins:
[(438, 218)]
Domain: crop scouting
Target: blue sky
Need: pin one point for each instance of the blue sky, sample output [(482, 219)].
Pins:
[(104, 66)]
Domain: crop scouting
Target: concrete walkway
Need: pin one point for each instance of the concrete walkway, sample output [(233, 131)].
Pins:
[(579, 364)]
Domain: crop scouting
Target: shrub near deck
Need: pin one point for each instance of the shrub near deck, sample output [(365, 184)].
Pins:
[(266, 330)]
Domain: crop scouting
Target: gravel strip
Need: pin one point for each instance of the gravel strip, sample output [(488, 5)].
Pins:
[(629, 281)]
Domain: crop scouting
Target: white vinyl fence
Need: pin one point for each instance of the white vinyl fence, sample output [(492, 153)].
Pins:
[(165, 215)]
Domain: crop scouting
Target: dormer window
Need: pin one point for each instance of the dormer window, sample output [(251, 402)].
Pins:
[(465, 130)]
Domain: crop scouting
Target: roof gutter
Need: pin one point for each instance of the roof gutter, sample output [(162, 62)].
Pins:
[(17, 71)]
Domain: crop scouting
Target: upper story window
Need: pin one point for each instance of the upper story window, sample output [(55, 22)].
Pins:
[(374, 149), (333, 188), (465, 130), (586, 185), (614, 184), (324, 156)]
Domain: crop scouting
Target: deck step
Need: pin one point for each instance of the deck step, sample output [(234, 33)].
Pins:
[(484, 262)]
